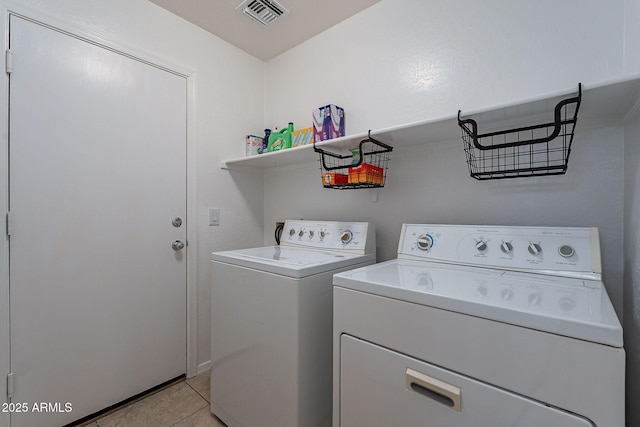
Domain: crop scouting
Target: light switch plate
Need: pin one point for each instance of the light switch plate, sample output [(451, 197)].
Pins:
[(214, 216)]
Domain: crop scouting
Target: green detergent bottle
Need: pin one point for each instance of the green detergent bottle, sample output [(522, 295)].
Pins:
[(281, 139)]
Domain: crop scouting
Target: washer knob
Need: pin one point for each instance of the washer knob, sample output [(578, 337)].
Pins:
[(566, 251), (481, 245), (535, 248), (346, 236), (292, 232), (506, 247), (567, 304), (482, 291), (301, 233), (311, 233), (506, 294), (535, 298), (424, 242), (322, 234)]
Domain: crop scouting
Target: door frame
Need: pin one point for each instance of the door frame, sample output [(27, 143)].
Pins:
[(8, 8)]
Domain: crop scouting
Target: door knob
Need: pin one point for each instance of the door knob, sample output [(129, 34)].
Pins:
[(177, 245)]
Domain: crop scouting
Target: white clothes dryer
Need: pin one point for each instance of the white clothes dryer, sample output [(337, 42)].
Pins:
[(272, 324), (477, 326)]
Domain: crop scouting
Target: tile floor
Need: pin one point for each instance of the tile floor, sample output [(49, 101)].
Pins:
[(184, 404)]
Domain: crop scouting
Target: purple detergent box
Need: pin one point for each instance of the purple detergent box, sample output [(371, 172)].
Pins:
[(328, 122)]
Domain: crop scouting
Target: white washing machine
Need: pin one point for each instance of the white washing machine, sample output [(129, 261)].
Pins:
[(272, 324), (479, 326)]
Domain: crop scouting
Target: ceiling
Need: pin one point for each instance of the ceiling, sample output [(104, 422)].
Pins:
[(307, 18)]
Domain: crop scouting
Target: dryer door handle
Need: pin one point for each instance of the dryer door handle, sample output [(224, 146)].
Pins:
[(434, 389)]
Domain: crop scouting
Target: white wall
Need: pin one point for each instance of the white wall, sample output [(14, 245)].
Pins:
[(632, 36), (632, 267), (403, 61), (229, 87)]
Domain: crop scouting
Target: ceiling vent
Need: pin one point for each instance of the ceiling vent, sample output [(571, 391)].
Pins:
[(263, 11)]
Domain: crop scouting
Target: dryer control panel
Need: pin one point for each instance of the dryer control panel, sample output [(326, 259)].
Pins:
[(572, 251), (352, 237)]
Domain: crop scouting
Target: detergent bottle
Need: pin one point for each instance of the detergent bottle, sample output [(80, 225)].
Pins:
[(265, 141), (281, 139)]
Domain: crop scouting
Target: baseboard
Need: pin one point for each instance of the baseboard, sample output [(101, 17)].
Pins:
[(204, 367)]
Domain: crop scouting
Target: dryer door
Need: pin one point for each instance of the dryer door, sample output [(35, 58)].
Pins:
[(379, 387)]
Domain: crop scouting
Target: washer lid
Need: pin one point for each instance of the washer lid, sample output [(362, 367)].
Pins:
[(290, 261), (574, 308)]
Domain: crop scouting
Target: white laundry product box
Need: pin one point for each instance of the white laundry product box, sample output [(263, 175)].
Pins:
[(328, 122), (252, 143)]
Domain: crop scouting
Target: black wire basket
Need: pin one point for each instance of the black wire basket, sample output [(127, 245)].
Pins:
[(364, 167), (541, 149)]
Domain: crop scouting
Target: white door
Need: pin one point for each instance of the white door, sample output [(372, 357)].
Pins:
[(97, 174)]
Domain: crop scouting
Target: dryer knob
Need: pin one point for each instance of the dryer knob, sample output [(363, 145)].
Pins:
[(292, 232), (346, 237), (424, 242), (535, 248), (566, 251)]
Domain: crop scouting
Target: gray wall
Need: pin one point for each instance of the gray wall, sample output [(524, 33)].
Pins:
[(632, 267)]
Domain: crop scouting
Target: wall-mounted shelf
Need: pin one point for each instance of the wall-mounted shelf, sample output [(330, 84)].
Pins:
[(603, 104)]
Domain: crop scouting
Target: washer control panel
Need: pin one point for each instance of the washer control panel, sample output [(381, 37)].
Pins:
[(357, 237), (573, 252)]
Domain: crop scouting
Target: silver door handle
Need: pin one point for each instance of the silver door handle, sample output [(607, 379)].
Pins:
[(177, 245), (435, 389)]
